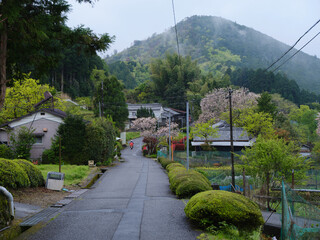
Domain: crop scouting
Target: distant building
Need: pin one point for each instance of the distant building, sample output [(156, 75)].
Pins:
[(162, 114), (45, 123), (241, 139)]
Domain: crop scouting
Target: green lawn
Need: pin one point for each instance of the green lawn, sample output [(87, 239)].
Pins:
[(73, 174), (132, 135)]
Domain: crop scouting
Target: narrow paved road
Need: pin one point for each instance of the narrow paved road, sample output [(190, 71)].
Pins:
[(131, 201)]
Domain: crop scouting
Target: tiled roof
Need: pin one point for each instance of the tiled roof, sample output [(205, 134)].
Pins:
[(239, 134)]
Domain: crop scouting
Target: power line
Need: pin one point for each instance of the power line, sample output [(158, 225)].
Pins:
[(175, 27), (292, 46), (296, 52)]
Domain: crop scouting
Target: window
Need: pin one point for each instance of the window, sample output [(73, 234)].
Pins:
[(42, 113), (134, 113), (38, 139)]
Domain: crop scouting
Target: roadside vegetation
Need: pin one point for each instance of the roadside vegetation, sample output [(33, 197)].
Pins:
[(132, 135), (73, 174)]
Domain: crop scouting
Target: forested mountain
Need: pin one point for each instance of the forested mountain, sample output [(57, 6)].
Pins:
[(216, 43)]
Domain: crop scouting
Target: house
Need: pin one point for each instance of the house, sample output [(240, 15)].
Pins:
[(45, 123), (161, 113), (241, 139)]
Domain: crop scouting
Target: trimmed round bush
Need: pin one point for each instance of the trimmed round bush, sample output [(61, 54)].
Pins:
[(191, 186), (179, 175), (164, 161), (12, 175), (174, 165), (215, 206), (34, 174)]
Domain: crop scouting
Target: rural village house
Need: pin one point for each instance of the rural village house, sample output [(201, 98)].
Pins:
[(241, 139), (162, 114), (45, 123)]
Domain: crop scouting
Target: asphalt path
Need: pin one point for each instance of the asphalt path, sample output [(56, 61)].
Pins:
[(130, 201)]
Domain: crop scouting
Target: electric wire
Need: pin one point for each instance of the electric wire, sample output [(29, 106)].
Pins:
[(296, 52), (292, 46), (175, 27)]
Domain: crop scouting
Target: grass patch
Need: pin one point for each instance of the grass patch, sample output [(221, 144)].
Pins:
[(73, 174), (132, 135), (230, 233)]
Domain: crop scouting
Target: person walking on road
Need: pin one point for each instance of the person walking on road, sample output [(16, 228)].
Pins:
[(131, 144)]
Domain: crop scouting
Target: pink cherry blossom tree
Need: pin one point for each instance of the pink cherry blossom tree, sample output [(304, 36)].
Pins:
[(216, 102)]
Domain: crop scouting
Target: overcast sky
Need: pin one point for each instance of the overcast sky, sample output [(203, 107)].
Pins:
[(129, 20)]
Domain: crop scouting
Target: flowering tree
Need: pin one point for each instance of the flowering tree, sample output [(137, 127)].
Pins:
[(215, 103), (147, 126), (151, 135), (164, 131)]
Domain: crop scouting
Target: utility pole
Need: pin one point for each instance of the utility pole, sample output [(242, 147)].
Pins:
[(169, 135), (60, 154), (187, 135), (231, 142)]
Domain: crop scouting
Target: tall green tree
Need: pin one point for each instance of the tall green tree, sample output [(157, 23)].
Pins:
[(273, 159), (33, 35), (171, 77), (23, 95), (266, 105), (110, 97), (73, 138), (145, 112), (305, 124), (100, 140)]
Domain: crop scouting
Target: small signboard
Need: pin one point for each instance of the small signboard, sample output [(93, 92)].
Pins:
[(55, 181), (91, 163)]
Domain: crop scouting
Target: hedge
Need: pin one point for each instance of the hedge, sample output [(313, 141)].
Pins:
[(186, 183), (34, 174), (174, 165), (164, 161), (12, 175), (215, 206)]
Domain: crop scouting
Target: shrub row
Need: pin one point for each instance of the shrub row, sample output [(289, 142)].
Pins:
[(19, 174), (182, 182), (164, 161), (211, 208)]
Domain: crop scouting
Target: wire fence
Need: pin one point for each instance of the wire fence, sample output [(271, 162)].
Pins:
[(299, 218)]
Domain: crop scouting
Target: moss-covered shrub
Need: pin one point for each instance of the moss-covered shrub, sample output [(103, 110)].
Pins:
[(4, 211), (213, 207), (164, 161), (34, 174), (12, 175)]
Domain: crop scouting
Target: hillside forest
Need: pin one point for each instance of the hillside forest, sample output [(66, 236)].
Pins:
[(213, 57)]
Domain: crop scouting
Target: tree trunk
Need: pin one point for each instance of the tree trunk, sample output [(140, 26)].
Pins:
[(62, 82), (3, 63)]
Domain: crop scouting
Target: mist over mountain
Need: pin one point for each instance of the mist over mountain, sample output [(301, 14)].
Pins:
[(207, 39)]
